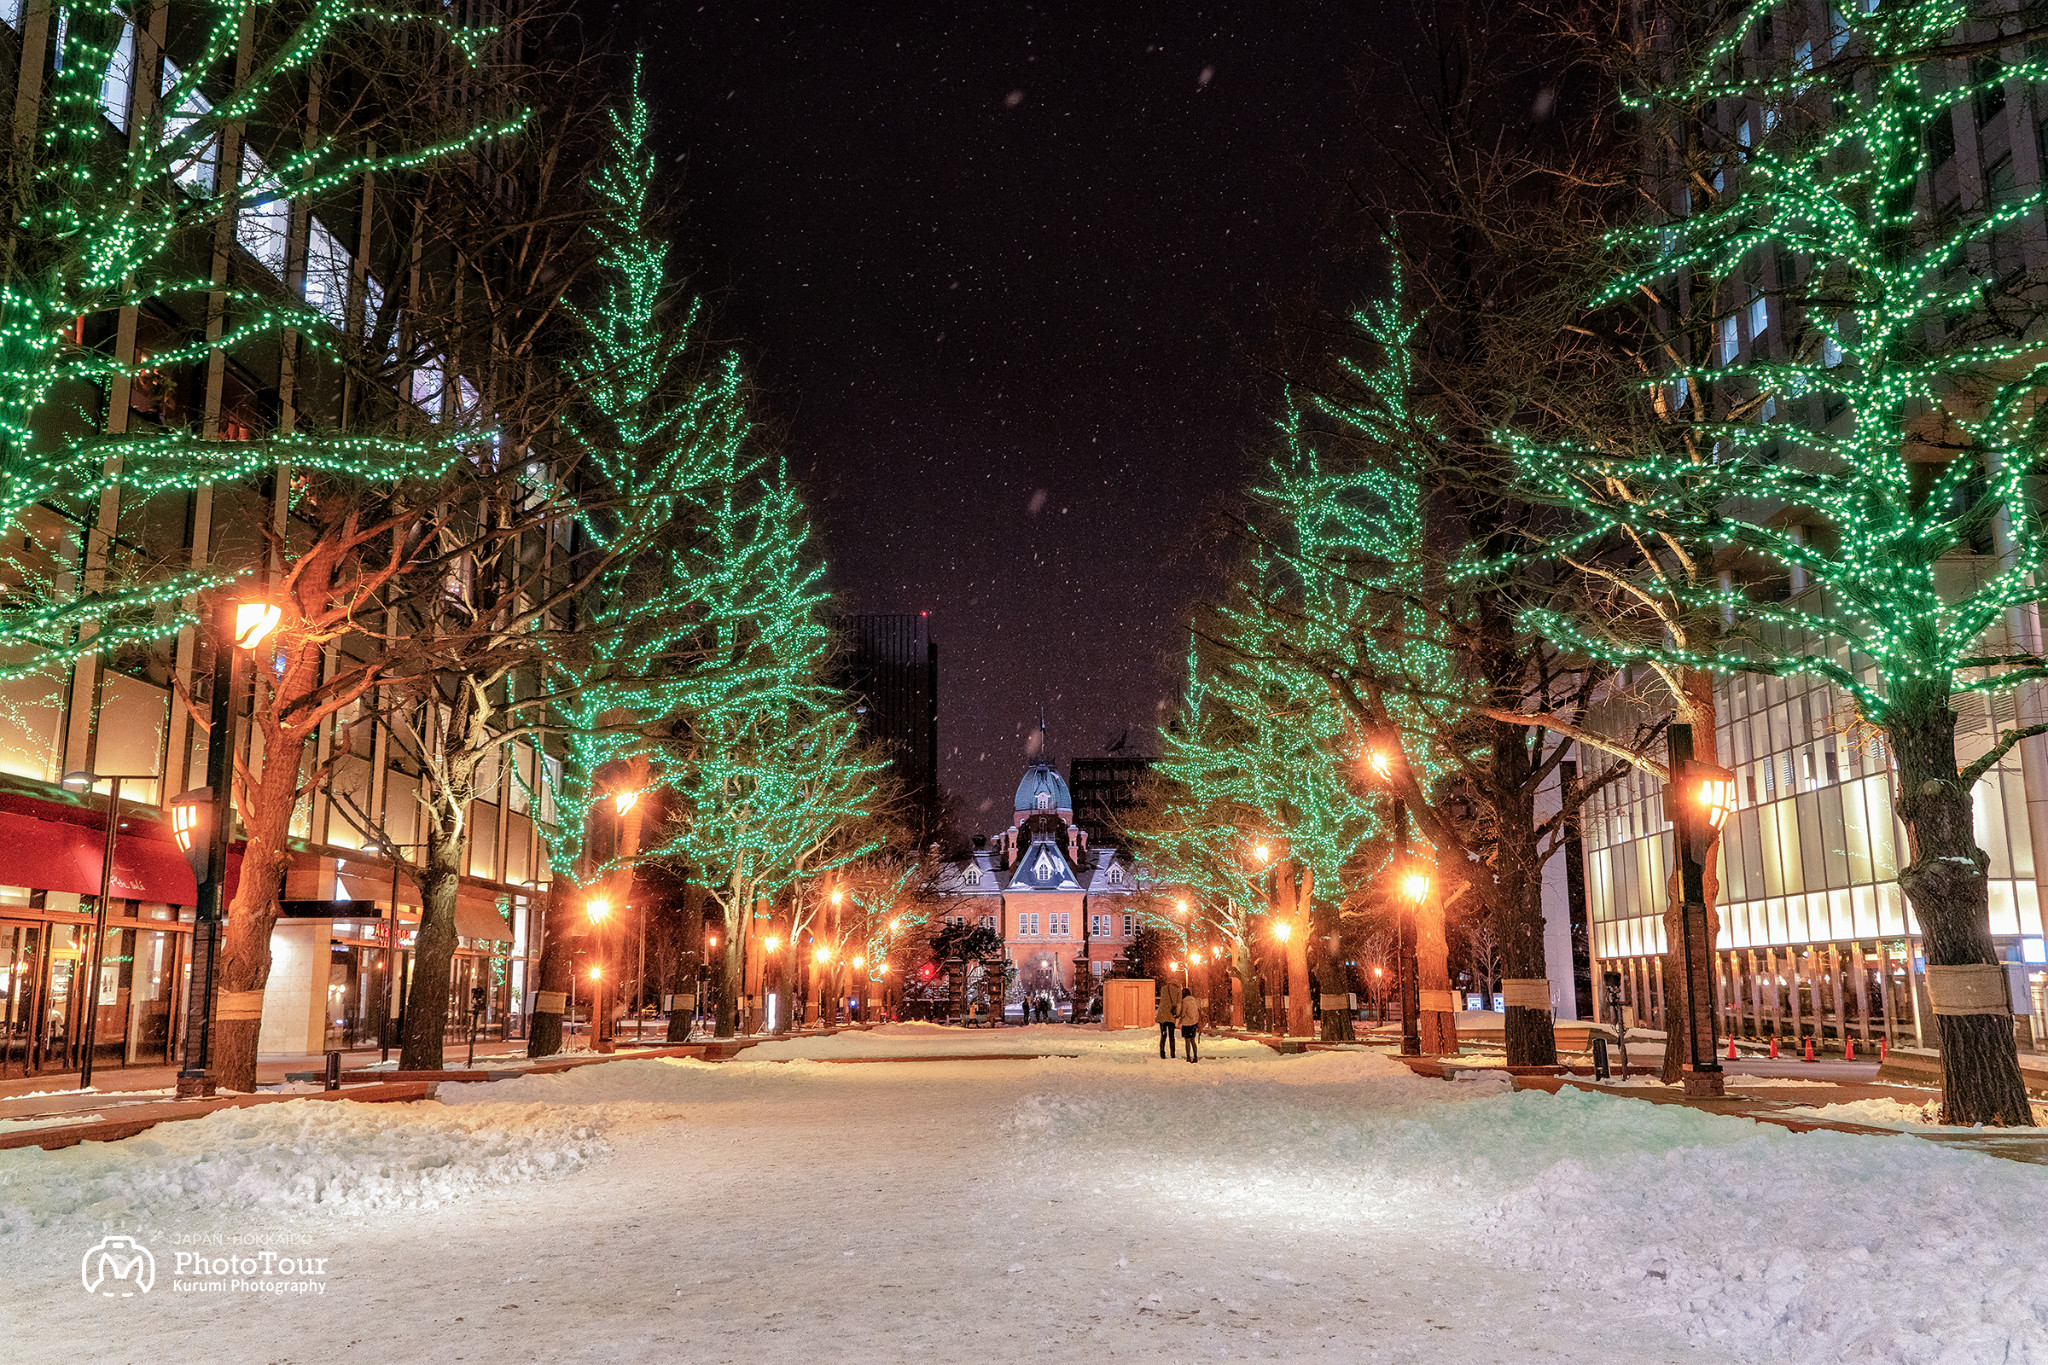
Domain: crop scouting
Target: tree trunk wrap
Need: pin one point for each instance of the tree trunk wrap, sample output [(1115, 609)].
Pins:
[(1969, 988), (1945, 881)]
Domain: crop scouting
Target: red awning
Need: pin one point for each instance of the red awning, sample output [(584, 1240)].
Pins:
[(54, 855)]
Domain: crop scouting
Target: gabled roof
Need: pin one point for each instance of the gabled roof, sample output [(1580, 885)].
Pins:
[(1043, 868)]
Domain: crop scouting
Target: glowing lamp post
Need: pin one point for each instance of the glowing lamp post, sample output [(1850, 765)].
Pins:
[(599, 909), (1699, 800), (1415, 891), (201, 820)]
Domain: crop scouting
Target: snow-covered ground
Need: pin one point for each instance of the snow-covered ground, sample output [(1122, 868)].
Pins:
[(1107, 1205)]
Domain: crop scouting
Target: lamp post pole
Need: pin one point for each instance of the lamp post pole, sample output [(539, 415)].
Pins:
[(1692, 824), (208, 910), (1408, 976)]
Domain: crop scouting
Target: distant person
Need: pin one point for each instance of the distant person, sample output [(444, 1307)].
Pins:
[(1190, 1016), (1167, 1011)]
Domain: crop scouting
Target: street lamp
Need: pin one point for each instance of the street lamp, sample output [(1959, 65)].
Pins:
[(85, 782), (623, 801), (1263, 853), (201, 819), (1282, 930)]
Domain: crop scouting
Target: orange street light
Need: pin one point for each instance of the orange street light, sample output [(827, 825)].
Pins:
[(1415, 886), (253, 621), (838, 894), (1382, 766), (824, 955), (596, 973), (598, 908), (771, 943), (623, 801), (894, 925), (1263, 853), (859, 962), (1716, 795), (1283, 930), (1182, 907)]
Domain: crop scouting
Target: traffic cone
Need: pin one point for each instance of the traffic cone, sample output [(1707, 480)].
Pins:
[(1848, 1049), (1774, 1046), (1731, 1047), (1809, 1047)]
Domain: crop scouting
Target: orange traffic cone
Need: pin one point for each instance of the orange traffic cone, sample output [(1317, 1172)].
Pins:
[(1774, 1046), (1848, 1049), (1731, 1047), (1809, 1047)]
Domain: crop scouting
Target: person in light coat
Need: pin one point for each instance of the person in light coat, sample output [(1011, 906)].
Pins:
[(1167, 1012), (1189, 1015)]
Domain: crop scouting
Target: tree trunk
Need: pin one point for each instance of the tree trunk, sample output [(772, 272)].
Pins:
[(557, 966), (1438, 1029), (732, 979), (1945, 881), (244, 962), (685, 980), (1331, 975), (433, 952)]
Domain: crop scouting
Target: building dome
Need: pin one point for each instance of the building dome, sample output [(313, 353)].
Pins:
[(1042, 789)]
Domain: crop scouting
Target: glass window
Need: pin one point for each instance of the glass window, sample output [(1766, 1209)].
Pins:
[(327, 269), (117, 89), (264, 223)]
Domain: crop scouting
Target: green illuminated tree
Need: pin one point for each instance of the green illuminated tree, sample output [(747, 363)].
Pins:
[(1374, 474), (770, 778), (1256, 760), (98, 224), (1878, 464)]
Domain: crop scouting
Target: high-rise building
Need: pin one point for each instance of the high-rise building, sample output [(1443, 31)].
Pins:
[(890, 667), (1104, 789)]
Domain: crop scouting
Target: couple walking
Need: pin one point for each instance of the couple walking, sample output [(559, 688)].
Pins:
[(1177, 1009)]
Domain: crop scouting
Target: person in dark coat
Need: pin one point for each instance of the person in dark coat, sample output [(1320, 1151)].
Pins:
[(1167, 1012)]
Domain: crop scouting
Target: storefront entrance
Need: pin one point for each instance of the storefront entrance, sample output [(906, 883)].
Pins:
[(44, 993)]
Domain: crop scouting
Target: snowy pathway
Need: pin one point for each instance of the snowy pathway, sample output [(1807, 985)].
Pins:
[(1330, 1206)]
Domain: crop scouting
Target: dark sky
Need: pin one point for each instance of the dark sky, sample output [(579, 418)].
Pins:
[(1000, 268)]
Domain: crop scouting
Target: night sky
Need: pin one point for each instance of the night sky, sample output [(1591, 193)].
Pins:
[(1006, 273)]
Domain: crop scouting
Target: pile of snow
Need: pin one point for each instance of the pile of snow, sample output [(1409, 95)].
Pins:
[(329, 1157), (1822, 1246), (1884, 1112)]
